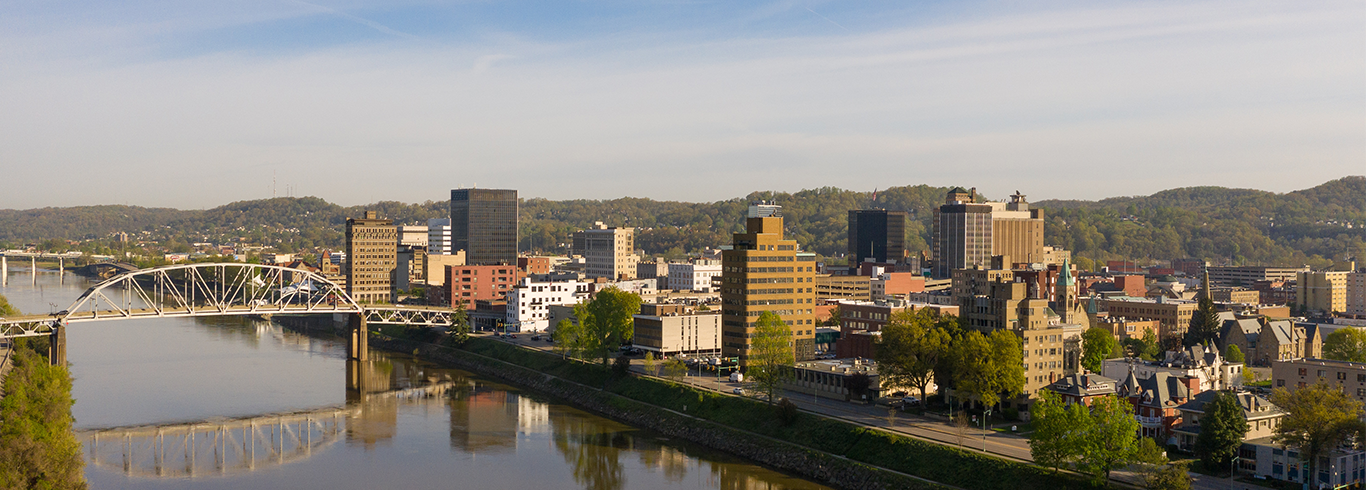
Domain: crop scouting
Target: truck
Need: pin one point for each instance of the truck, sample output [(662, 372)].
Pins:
[(737, 377)]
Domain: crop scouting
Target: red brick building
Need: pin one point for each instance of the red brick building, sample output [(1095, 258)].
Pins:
[(533, 265), (470, 283)]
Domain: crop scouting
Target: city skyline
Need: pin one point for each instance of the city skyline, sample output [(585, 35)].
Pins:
[(196, 105)]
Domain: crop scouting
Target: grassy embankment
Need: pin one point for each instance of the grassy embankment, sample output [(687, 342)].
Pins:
[(945, 464), (37, 447)]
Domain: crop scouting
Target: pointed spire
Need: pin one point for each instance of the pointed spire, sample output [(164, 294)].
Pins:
[(1204, 284)]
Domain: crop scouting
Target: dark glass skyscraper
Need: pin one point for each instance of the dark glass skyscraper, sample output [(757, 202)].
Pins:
[(876, 234), (484, 225)]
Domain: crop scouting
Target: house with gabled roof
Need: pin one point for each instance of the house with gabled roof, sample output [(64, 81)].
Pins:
[(1082, 388)]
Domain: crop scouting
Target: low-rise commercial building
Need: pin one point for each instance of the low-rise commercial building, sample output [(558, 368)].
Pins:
[(677, 328), (857, 288), (830, 379), (1293, 374), (694, 276), (1173, 315)]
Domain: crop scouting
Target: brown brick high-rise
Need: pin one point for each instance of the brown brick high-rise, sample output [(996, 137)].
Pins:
[(765, 272)]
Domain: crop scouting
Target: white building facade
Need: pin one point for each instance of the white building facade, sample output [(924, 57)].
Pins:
[(528, 306), (695, 276), (439, 236)]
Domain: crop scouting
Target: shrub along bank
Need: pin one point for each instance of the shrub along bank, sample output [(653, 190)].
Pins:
[(37, 447), (790, 446)]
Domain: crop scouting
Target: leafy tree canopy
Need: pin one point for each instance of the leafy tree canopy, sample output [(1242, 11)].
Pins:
[(1346, 344)]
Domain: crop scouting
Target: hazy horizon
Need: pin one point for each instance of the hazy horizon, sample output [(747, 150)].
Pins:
[(1032, 198)]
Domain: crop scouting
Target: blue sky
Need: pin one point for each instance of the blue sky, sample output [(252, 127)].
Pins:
[(194, 104)]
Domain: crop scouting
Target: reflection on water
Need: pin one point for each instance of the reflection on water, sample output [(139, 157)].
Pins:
[(234, 403)]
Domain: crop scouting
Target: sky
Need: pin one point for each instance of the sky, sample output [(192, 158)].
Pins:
[(193, 104)]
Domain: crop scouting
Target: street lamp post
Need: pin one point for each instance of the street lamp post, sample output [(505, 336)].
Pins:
[(986, 416)]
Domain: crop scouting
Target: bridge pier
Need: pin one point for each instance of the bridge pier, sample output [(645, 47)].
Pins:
[(61, 269), (33, 267), (358, 342), (56, 345), (4, 270)]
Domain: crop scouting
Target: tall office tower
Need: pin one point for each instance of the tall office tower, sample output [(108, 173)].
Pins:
[(967, 234), (962, 234), (1016, 230), (878, 235), (607, 252), (372, 256), (439, 236), (484, 225), (764, 272)]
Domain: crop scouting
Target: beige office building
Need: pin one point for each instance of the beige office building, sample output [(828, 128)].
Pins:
[(1322, 291), (761, 272), (992, 299), (607, 252), (371, 257), (1173, 315), (675, 328)]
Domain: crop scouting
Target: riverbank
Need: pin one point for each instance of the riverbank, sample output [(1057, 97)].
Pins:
[(830, 451)]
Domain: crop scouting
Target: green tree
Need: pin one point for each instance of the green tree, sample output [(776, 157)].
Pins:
[(1222, 427), (1233, 354), (1111, 440), (989, 366), (568, 338), (1057, 430), (770, 360), (36, 442), (1317, 419), (607, 321), (1097, 345), (909, 350), (1172, 476), (460, 325), (1145, 348), (1346, 344), (6, 309), (675, 370), (1204, 326), (649, 363)]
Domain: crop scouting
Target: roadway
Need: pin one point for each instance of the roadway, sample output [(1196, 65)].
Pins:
[(925, 427)]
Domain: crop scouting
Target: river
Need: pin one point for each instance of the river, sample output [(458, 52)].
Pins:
[(238, 403)]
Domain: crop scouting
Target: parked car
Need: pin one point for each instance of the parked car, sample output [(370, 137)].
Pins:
[(910, 401)]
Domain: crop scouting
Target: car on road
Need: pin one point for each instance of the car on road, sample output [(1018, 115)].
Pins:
[(738, 391), (513, 335), (536, 337)]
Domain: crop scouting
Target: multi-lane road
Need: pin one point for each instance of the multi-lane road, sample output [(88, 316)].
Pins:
[(998, 442)]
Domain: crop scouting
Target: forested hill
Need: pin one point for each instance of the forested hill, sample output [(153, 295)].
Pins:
[(1240, 226), (1224, 225)]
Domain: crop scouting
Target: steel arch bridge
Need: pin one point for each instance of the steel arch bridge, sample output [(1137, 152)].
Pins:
[(219, 289)]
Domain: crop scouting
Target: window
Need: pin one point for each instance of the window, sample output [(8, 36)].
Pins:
[(1342, 376), (1303, 371)]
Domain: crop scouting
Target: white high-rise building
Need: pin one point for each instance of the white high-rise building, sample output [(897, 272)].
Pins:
[(439, 236)]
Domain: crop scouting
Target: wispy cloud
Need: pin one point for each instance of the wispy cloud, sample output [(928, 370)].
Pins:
[(357, 19), (1067, 101)]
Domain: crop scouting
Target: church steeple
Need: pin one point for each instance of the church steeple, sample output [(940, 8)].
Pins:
[(1066, 293)]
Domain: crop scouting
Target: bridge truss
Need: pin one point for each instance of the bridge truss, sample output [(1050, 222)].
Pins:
[(214, 448), (217, 289)]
